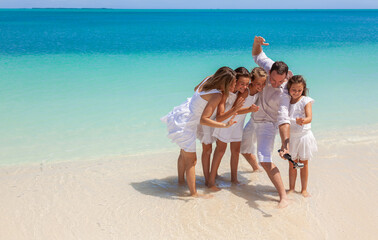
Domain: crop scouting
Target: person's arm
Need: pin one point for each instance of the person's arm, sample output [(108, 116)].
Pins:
[(259, 56), (308, 113), (283, 122), (213, 102), (252, 108), (221, 115)]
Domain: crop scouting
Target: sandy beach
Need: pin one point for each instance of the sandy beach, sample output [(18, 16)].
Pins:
[(136, 197)]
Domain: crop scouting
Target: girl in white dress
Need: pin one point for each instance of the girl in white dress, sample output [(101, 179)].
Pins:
[(248, 143), (302, 141), (233, 135), (183, 120)]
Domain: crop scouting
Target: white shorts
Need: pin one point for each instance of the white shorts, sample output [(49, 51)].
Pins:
[(248, 144), (265, 134)]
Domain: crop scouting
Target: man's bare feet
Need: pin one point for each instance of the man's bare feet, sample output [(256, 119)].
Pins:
[(305, 193), (283, 203), (214, 188), (257, 170)]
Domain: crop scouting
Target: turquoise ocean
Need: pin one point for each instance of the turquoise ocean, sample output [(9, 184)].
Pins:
[(90, 84)]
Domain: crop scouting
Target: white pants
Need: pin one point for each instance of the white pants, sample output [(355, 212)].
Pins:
[(248, 144), (265, 134)]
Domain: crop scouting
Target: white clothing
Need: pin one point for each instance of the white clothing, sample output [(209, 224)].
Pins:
[(265, 134), (224, 134), (248, 143), (273, 111), (183, 120), (273, 102), (205, 133), (302, 141)]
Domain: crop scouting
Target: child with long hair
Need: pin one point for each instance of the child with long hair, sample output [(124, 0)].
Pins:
[(233, 135), (182, 121), (302, 141)]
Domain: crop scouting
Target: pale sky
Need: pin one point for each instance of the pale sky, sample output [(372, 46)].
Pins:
[(193, 4)]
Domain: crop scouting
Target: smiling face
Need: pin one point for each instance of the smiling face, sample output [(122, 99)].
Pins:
[(296, 91), (258, 84), (241, 84), (276, 79)]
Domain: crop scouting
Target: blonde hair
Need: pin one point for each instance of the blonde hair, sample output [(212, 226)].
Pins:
[(258, 72), (221, 80)]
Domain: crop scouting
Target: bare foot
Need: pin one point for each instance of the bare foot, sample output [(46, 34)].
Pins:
[(283, 203), (181, 183), (257, 170), (217, 176), (305, 193), (214, 188), (204, 196), (290, 191), (236, 182)]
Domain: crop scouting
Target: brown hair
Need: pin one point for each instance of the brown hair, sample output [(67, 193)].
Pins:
[(258, 72), (280, 67), (298, 79), (221, 80), (242, 72)]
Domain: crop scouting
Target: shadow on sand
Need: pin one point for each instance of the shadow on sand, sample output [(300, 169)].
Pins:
[(168, 188)]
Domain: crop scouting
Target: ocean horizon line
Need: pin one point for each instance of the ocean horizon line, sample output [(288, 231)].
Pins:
[(200, 9)]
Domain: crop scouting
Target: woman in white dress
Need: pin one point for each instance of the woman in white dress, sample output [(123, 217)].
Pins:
[(182, 121)]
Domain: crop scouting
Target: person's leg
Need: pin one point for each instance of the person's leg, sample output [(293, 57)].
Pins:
[(190, 160), (304, 178), (275, 176), (292, 177), (235, 151), (265, 142), (181, 168), (251, 159), (205, 158), (218, 154)]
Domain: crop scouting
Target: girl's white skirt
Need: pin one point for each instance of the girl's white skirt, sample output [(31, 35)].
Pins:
[(302, 145)]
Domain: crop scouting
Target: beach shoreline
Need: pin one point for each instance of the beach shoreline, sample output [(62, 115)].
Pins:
[(138, 197)]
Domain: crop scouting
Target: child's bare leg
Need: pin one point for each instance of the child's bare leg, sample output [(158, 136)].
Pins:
[(275, 177), (292, 177), (251, 159), (304, 178), (235, 151), (218, 154), (190, 159), (181, 168), (205, 158)]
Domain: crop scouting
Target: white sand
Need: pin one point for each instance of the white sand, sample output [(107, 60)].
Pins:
[(136, 197)]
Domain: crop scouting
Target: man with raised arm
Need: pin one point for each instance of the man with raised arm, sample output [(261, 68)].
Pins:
[(274, 102)]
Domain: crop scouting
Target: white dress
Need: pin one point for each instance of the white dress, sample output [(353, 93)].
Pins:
[(224, 135), (235, 132), (183, 120), (205, 133), (302, 141), (248, 142)]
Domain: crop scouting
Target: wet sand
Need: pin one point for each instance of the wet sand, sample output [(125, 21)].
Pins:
[(137, 197)]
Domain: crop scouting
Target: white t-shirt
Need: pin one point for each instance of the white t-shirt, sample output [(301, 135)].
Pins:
[(273, 102)]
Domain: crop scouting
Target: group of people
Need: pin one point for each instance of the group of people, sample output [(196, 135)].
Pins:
[(278, 102)]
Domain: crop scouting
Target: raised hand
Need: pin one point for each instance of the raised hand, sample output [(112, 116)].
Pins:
[(254, 108), (299, 121), (260, 41)]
